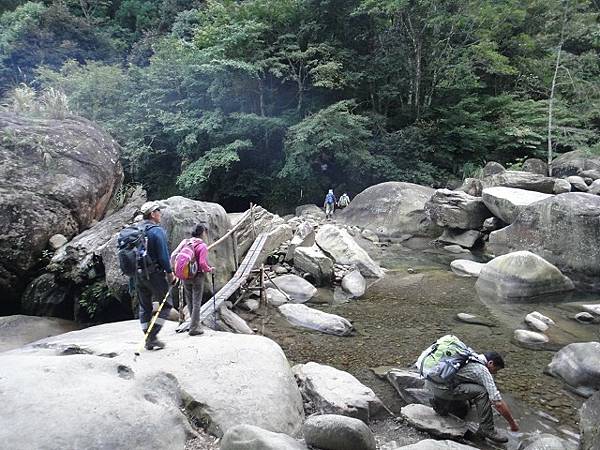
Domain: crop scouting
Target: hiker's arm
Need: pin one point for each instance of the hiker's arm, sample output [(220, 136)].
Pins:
[(163, 251), (504, 411), (203, 259)]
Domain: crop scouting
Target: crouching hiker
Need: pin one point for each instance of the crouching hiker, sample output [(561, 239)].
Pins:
[(144, 257), (457, 376), (190, 262)]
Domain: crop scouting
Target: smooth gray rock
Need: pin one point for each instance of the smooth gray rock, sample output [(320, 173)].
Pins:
[(538, 321), (561, 186), (333, 391), (594, 309), (275, 298), (520, 180), (506, 203), (455, 249), (578, 365), (338, 244), (530, 339), (577, 183), (409, 385), (543, 227), (493, 168), (594, 174), (573, 163), (314, 319), (424, 418), (250, 437), (584, 317), (211, 370), (535, 165), (466, 239), (57, 241), (521, 275), (433, 444), (297, 288), (248, 229), (337, 432), (369, 235), (304, 236), (56, 177), (589, 423), (314, 261), (391, 209), (547, 441), (18, 330), (594, 187), (310, 210), (456, 209), (466, 267), (84, 401), (354, 284), (474, 319)]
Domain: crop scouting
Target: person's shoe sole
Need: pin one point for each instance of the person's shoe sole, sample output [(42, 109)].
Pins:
[(196, 333)]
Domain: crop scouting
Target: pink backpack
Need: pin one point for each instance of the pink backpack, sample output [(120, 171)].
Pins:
[(186, 263)]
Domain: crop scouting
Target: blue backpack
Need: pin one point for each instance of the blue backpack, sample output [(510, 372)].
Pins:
[(330, 199)]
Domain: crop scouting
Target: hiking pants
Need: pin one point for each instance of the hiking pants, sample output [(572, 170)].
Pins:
[(475, 393), (192, 292), (155, 287), (328, 209)]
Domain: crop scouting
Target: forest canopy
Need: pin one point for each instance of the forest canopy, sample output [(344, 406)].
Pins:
[(275, 101)]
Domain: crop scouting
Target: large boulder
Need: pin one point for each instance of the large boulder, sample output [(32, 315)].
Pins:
[(333, 391), (304, 236), (424, 418), (466, 267), (573, 163), (250, 437), (354, 283), (313, 261), (313, 319), (466, 239), (249, 227), (336, 432), (506, 203), (578, 365), (456, 209), (56, 177), (311, 211), (493, 168), (535, 165), (209, 372), (577, 183), (589, 423), (343, 249), (521, 180), (18, 330), (392, 208), (298, 289), (564, 229), (521, 275)]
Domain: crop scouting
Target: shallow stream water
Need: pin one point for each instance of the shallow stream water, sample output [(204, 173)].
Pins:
[(416, 303)]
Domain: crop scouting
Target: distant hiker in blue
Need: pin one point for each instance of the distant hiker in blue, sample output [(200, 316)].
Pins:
[(329, 204)]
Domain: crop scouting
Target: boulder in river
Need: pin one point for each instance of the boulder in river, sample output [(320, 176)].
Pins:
[(589, 423), (56, 177), (506, 203), (547, 441), (342, 247), (543, 228), (313, 261), (424, 418), (466, 239), (578, 365), (354, 283), (337, 432), (248, 229), (297, 288), (466, 267), (314, 319), (275, 297), (250, 437), (530, 339), (456, 209), (538, 321), (333, 391), (521, 275), (391, 209), (521, 180)]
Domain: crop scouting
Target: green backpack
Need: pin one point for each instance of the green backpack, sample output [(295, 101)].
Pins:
[(444, 358)]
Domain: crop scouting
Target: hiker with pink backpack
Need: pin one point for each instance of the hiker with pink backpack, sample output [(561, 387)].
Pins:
[(190, 264)]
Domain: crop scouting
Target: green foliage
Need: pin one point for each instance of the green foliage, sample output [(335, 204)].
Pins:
[(94, 299)]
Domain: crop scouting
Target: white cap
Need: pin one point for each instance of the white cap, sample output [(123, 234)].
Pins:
[(149, 207)]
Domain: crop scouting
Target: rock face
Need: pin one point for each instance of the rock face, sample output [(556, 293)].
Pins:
[(315, 262), (18, 330), (466, 267), (336, 432), (579, 366), (466, 239), (424, 418), (506, 203), (310, 210), (333, 391), (354, 284), (572, 163), (299, 290), (392, 209), (542, 228), (521, 275), (456, 209), (521, 180), (246, 233), (535, 165), (303, 316), (249, 437), (344, 250), (56, 177), (589, 423), (209, 371), (304, 236)]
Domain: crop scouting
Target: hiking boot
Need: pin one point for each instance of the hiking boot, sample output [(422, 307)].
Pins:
[(196, 332), (439, 407), (154, 343), (493, 436)]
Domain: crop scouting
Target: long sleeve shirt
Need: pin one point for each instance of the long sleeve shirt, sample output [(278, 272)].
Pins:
[(200, 250), (158, 248)]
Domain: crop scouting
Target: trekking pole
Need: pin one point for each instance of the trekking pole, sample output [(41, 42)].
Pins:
[(213, 295), (153, 321)]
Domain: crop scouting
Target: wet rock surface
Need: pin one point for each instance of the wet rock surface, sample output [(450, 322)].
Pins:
[(304, 316), (426, 419), (249, 437), (578, 365), (336, 432)]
